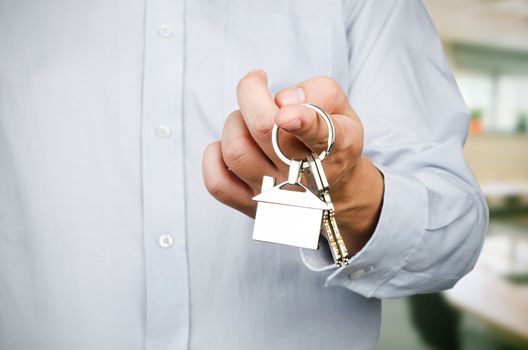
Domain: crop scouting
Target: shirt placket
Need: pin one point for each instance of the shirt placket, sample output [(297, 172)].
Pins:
[(166, 272)]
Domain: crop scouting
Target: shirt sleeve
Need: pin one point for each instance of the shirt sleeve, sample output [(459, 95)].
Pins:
[(434, 218)]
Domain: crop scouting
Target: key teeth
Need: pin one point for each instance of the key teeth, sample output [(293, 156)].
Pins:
[(334, 249), (339, 239), (335, 240)]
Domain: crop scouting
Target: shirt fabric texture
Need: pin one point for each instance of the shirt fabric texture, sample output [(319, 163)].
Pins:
[(108, 237)]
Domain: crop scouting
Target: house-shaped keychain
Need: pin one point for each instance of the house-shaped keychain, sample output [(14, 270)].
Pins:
[(288, 217)]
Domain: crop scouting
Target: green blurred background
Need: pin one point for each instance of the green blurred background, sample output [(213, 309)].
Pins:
[(486, 42)]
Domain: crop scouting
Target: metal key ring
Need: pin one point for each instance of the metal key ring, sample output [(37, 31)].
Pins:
[(331, 136)]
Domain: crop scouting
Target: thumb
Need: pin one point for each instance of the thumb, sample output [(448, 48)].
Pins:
[(307, 126)]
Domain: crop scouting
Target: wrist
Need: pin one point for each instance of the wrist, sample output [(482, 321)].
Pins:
[(359, 208)]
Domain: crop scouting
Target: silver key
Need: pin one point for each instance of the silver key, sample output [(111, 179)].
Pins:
[(319, 183), (316, 184)]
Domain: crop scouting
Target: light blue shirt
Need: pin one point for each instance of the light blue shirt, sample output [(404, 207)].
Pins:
[(108, 238)]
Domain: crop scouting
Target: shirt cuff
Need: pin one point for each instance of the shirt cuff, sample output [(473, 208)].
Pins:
[(400, 225)]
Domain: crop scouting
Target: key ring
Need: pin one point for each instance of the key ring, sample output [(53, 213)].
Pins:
[(331, 136)]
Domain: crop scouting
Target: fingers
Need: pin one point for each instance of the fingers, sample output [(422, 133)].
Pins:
[(256, 104), (259, 109), (241, 154), (222, 184), (233, 168), (324, 92), (311, 130), (303, 122)]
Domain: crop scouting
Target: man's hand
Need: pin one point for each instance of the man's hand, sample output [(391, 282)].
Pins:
[(233, 167)]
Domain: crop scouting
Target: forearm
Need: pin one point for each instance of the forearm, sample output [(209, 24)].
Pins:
[(437, 225), (428, 235)]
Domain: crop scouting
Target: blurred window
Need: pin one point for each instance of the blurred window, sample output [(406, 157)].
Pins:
[(499, 103), (512, 104), (477, 89)]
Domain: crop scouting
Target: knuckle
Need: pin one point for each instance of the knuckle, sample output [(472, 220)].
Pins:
[(339, 168), (327, 81), (340, 160), (334, 95), (351, 136), (332, 90), (235, 152), (320, 145), (348, 146), (215, 186), (262, 125)]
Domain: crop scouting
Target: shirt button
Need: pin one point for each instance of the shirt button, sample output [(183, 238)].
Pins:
[(165, 31), (356, 274), (163, 132), (166, 241)]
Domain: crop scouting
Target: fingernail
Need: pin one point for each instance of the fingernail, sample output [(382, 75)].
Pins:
[(292, 96), (292, 125)]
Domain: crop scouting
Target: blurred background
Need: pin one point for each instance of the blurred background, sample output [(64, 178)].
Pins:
[(486, 42)]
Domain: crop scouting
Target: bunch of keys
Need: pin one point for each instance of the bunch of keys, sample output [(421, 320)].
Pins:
[(329, 228), (299, 217)]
